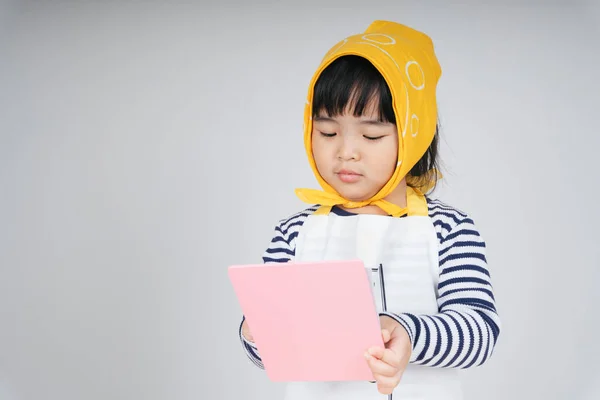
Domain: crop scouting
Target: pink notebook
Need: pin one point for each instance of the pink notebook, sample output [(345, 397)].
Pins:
[(310, 321)]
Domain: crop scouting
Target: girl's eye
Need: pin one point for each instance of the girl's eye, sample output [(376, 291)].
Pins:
[(328, 134), (373, 137)]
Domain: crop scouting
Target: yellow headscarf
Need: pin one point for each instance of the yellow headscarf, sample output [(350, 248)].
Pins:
[(406, 59)]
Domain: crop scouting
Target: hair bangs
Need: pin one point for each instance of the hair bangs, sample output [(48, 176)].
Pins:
[(351, 84)]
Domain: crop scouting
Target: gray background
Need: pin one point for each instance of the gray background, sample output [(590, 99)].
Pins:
[(146, 146)]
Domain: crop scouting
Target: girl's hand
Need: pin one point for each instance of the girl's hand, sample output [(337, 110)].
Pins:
[(388, 365), (246, 332)]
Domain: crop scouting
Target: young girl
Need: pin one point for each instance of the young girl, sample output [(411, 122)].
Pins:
[(371, 137)]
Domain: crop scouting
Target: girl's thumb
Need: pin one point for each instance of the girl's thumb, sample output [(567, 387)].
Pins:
[(385, 334)]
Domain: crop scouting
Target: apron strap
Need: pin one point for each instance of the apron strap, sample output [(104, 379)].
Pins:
[(415, 201)]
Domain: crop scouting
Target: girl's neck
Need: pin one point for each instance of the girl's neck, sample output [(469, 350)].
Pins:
[(397, 197)]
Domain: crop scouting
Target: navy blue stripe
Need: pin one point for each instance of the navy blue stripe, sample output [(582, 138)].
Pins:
[(449, 344), (456, 219), (293, 236), (471, 337), (437, 204), (251, 350), (284, 232), (471, 302), (482, 308), (275, 260), (461, 340), (417, 323), (442, 225), (479, 343), (280, 250), (465, 267), (463, 256), (487, 347), (278, 239), (461, 232), (302, 215), (444, 210), (462, 280), (465, 243), (427, 341), (438, 341), (341, 212), (483, 290)]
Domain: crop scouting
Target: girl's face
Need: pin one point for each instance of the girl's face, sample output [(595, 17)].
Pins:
[(355, 155)]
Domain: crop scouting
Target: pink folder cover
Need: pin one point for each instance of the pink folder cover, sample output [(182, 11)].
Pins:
[(310, 321)]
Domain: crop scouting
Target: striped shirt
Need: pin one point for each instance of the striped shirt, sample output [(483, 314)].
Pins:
[(466, 328)]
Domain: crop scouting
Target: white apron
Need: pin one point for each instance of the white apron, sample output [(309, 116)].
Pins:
[(401, 256)]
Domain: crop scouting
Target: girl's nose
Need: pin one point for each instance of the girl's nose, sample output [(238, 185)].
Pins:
[(348, 150)]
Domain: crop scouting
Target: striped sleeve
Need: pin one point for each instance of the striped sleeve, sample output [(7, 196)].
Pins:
[(466, 328), (250, 348), (280, 250)]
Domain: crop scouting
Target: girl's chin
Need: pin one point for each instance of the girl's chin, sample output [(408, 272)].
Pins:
[(356, 197), (353, 192)]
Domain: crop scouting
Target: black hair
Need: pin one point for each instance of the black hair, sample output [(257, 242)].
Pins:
[(352, 83)]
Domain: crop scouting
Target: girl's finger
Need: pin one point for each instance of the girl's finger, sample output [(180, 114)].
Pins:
[(386, 384), (376, 352), (386, 336), (385, 355), (391, 358), (381, 368)]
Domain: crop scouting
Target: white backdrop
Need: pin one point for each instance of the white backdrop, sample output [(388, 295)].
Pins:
[(146, 146)]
